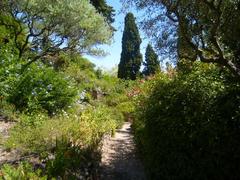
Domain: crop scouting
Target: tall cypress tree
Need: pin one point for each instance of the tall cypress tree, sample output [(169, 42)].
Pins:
[(131, 57), (151, 62)]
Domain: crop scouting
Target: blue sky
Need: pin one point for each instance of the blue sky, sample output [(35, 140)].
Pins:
[(114, 50)]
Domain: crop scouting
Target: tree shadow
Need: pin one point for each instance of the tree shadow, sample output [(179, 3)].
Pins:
[(124, 163)]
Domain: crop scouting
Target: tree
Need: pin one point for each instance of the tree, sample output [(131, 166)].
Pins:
[(131, 57), (185, 54), (53, 26), (105, 10), (209, 27), (151, 62)]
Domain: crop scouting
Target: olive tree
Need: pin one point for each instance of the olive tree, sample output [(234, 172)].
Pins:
[(44, 28)]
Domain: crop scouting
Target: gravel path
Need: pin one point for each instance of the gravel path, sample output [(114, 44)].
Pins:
[(119, 160)]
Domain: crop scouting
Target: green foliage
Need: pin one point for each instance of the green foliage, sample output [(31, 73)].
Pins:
[(120, 101), (104, 9), (184, 49), (71, 161), (81, 70), (195, 29), (24, 171), (151, 63), (9, 70), (8, 28), (76, 25), (131, 57), (42, 88), (186, 127), (51, 121), (83, 129), (111, 91), (9, 64), (67, 142)]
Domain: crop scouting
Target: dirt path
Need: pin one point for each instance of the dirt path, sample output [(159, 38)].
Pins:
[(6, 156), (119, 160)]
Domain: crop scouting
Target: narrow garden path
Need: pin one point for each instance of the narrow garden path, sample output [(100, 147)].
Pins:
[(6, 156), (119, 159)]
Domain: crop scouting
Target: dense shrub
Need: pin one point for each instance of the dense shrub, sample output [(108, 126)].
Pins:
[(73, 162), (9, 70), (41, 132), (187, 128), (119, 99), (80, 73), (41, 87), (67, 142), (24, 171)]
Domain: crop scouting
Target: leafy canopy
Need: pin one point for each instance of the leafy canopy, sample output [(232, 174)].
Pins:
[(53, 26), (104, 9), (210, 29)]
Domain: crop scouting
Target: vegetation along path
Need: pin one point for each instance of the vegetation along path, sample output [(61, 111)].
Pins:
[(119, 159)]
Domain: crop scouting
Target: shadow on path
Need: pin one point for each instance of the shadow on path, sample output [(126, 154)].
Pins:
[(119, 159)]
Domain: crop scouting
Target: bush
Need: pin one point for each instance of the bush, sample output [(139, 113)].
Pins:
[(73, 162), (41, 132), (186, 127), (9, 70), (24, 172), (42, 88), (72, 139)]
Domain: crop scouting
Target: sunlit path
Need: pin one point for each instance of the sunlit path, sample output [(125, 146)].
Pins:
[(119, 160)]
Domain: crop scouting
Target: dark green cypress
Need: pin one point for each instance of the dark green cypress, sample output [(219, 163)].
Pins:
[(151, 62), (131, 57)]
